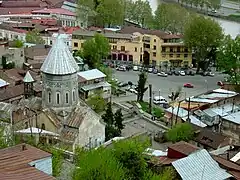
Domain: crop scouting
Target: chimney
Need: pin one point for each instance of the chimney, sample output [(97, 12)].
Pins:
[(24, 147)]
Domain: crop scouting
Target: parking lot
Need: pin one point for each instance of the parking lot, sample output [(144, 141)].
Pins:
[(171, 83)]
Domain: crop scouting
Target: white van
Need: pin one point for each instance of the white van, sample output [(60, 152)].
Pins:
[(159, 100), (135, 68)]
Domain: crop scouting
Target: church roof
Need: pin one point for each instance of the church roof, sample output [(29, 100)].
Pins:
[(59, 60), (28, 78)]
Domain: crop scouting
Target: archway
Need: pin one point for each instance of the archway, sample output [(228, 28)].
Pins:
[(146, 58)]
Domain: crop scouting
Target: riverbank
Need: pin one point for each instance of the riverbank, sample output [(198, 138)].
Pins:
[(231, 17)]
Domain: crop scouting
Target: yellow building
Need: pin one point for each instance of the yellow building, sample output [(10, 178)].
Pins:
[(141, 46)]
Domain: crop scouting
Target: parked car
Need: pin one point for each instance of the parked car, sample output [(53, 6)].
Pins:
[(159, 100), (211, 74), (155, 71), (191, 73), (187, 72), (122, 84), (150, 70), (214, 11), (188, 85), (169, 73), (182, 73), (176, 73), (162, 74), (121, 68), (135, 68), (133, 91), (205, 73), (220, 83)]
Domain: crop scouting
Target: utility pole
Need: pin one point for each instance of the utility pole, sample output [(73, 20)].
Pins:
[(179, 103), (189, 101), (150, 98)]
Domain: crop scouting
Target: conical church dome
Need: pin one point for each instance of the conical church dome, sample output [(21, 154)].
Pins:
[(59, 60)]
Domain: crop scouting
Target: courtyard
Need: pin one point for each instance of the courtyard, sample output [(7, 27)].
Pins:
[(163, 86)]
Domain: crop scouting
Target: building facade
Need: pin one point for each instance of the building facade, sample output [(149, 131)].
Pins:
[(136, 47)]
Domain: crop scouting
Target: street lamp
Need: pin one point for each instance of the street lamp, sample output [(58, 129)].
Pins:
[(159, 91), (189, 101)]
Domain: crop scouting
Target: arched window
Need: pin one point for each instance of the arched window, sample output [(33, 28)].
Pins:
[(73, 95), (58, 98), (49, 97), (67, 97), (43, 126)]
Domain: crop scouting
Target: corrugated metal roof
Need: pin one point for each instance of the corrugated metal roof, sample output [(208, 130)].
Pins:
[(224, 91), (60, 60), (91, 74), (216, 95), (181, 113), (195, 121), (28, 78), (200, 166), (223, 110), (201, 100), (234, 117)]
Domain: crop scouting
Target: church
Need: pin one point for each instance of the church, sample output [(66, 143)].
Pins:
[(60, 110)]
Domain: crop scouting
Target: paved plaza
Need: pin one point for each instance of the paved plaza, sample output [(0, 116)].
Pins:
[(171, 83)]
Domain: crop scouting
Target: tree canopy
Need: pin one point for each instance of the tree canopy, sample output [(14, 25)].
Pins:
[(180, 132), (34, 37), (141, 89), (228, 58), (17, 43), (202, 35), (171, 17), (96, 101), (95, 50), (125, 160)]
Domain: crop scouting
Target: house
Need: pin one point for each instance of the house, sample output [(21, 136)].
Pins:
[(25, 162), (11, 56), (36, 54), (3, 84), (10, 33), (200, 165), (91, 81), (230, 125)]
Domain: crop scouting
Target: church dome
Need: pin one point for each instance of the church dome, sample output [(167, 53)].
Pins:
[(59, 60)]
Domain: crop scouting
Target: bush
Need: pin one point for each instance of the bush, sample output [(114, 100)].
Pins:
[(180, 132)]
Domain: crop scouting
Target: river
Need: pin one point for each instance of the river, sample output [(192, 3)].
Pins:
[(229, 27)]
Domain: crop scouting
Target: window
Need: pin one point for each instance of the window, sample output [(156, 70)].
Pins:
[(154, 54), (154, 47), (135, 49), (114, 47), (154, 40), (170, 55), (122, 48), (171, 49), (178, 49), (185, 55), (141, 50), (178, 55), (43, 126), (185, 49), (50, 42), (67, 97), (163, 55), (49, 97), (73, 95), (82, 44), (58, 98), (75, 44), (163, 49), (67, 43)]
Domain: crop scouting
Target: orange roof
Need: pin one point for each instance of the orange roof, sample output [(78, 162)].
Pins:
[(14, 163)]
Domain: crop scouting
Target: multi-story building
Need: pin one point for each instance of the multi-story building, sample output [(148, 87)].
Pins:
[(125, 48), (141, 46)]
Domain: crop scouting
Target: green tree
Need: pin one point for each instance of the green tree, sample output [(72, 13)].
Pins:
[(202, 34), (107, 71), (118, 121), (3, 143), (180, 132), (140, 12), (95, 49), (34, 37), (57, 161), (228, 58), (98, 164), (18, 43), (171, 17), (97, 102), (141, 89)]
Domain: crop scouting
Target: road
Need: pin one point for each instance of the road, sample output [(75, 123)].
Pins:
[(169, 84)]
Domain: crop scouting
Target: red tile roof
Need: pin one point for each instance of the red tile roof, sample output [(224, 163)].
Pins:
[(14, 163), (171, 36), (55, 11), (183, 147), (69, 30)]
